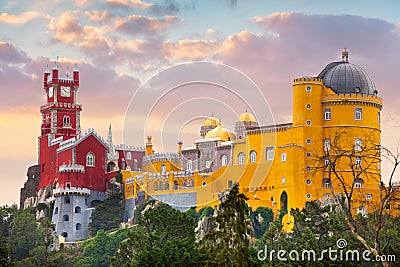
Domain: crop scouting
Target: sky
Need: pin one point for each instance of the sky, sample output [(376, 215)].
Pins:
[(120, 46)]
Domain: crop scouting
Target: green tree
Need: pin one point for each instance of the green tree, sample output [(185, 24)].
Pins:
[(108, 215), (229, 244), (7, 214), (4, 257), (99, 250), (24, 235), (260, 220), (162, 237)]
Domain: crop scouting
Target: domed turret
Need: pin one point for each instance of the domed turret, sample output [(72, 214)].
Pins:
[(220, 132), (346, 78), (211, 122), (247, 117)]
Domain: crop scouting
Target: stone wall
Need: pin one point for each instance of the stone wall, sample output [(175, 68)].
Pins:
[(28, 194)]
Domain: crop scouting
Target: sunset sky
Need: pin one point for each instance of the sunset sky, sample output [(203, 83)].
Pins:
[(119, 44)]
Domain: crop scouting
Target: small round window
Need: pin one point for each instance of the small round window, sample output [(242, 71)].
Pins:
[(308, 88), (308, 106), (308, 123), (308, 196), (308, 168), (308, 154), (308, 141), (308, 181)]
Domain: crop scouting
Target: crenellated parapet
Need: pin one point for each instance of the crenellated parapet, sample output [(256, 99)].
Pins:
[(159, 157), (125, 147), (70, 191), (310, 80), (71, 168)]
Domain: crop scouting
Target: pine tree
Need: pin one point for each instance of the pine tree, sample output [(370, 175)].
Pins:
[(229, 243)]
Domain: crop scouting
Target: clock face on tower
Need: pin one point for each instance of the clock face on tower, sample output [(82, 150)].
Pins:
[(51, 92), (65, 91)]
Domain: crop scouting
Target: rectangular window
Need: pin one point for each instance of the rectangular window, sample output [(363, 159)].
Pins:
[(283, 180), (208, 164), (369, 196), (327, 161), (358, 185), (327, 144), (357, 144), (327, 195), (327, 114), (270, 153), (327, 185), (358, 114), (189, 165), (283, 157), (379, 117)]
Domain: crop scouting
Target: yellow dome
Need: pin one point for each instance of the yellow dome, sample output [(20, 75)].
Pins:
[(211, 122), (247, 117), (220, 132)]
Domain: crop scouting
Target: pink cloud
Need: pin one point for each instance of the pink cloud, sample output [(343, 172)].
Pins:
[(190, 49), (134, 25), (10, 54), (66, 27), (19, 19), (129, 4), (96, 15)]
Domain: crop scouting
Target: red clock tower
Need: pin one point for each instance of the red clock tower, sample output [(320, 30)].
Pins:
[(60, 119)]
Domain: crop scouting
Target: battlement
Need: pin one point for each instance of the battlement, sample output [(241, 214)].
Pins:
[(125, 147), (72, 190), (168, 156), (60, 105), (351, 97), (71, 168), (313, 80)]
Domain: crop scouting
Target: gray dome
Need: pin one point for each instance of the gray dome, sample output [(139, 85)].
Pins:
[(346, 78)]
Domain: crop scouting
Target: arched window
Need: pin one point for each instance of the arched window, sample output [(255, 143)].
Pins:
[(166, 185), (128, 155), (56, 210), (326, 183), (241, 158), (65, 218), (90, 159), (189, 165), (176, 184), (191, 183), (64, 234), (284, 200), (66, 121), (77, 209), (204, 184), (135, 164), (224, 160), (160, 185), (163, 168), (253, 156), (78, 226), (67, 200)]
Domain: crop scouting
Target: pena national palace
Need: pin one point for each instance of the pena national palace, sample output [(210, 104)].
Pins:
[(280, 166)]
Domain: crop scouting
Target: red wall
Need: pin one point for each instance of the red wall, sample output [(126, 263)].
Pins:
[(94, 176)]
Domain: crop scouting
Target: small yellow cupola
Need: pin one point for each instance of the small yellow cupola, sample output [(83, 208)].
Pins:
[(211, 122), (247, 117), (220, 132)]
